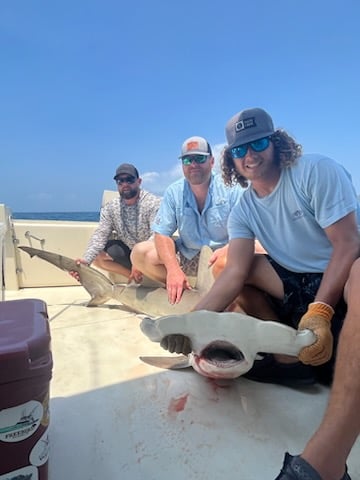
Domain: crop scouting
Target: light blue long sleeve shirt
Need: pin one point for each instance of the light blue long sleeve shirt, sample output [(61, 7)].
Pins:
[(179, 211)]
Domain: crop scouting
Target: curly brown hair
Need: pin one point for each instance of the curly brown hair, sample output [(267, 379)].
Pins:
[(287, 151)]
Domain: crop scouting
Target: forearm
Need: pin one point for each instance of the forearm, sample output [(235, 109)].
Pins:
[(96, 244), (230, 282), (165, 247), (222, 293), (344, 237), (320, 312), (100, 236), (335, 276)]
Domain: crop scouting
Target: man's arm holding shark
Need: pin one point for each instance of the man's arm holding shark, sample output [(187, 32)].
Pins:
[(224, 290), (232, 279), (176, 280)]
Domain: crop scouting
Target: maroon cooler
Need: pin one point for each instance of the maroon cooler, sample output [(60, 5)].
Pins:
[(25, 373)]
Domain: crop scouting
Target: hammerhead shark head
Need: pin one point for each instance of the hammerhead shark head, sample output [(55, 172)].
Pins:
[(224, 345), (151, 301)]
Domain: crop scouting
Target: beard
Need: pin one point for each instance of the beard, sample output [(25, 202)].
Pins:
[(128, 194)]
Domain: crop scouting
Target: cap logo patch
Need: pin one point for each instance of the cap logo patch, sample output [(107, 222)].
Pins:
[(192, 145), (244, 124)]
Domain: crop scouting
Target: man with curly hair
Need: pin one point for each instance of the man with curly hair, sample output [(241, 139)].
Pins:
[(305, 212)]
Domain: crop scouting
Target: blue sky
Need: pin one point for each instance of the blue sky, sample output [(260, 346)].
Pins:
[(87, 85)]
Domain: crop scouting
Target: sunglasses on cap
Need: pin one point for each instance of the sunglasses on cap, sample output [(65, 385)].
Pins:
[(188, 159), (257, 145), (121, 180)]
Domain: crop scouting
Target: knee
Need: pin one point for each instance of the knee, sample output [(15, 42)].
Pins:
[(354, 275), (99, 259), (136, 253), (235, 306), (140, 253)]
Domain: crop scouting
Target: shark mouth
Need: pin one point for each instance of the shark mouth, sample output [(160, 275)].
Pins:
[(221, 359), (221, 354)]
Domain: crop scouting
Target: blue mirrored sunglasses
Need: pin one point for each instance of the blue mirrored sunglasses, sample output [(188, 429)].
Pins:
[(194, 158), (258, 146)]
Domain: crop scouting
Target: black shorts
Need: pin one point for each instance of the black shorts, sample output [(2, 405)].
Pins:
[(119, 252), (299, 290)]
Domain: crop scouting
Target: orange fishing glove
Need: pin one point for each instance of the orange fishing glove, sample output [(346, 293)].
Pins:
[(318, 319)]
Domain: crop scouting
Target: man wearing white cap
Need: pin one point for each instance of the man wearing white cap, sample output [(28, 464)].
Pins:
[(197, 207)]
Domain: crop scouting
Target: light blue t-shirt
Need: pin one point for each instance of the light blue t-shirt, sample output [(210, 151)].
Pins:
[(179, 211), (310, 196)]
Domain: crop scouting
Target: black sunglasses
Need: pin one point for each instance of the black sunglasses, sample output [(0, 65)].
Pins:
[(121, 180)]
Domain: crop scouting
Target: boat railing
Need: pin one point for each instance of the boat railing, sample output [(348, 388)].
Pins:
[(19, 270), (2, 260)]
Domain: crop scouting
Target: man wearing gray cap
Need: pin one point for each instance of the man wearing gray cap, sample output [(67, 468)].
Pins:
[(197, 206), (305, 212), (129, 216)]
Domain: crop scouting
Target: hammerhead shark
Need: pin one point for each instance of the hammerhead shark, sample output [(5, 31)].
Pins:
[(151, 301), (225, 344)]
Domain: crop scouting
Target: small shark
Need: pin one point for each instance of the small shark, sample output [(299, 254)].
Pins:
[(224, 345), (151, 301)]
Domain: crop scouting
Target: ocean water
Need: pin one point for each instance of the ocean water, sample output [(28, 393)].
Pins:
[(72, 216)]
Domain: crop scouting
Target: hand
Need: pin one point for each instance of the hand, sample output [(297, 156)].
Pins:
[(74, 273), (176, 343), (135, 275), (218, 260), (318, 319), (176, 283)]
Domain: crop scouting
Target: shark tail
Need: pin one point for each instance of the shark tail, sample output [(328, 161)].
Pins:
[(95, 283)]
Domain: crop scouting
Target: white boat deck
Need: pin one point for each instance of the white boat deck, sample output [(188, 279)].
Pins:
[(114, 417)]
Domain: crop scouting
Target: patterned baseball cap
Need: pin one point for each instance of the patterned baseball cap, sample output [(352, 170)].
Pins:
[(247, 126), (195, 146)]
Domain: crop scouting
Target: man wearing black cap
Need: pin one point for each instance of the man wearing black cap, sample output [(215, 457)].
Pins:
[(130, 217)]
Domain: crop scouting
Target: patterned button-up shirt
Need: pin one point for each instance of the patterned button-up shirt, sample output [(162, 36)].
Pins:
[(130, 223)]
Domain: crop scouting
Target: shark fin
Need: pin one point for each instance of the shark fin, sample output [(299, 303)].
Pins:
[(205, 278), (171, 363)]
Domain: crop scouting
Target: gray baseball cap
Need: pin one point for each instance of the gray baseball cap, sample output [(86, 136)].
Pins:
[(195, 146), (128, 169), (247, 126)]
